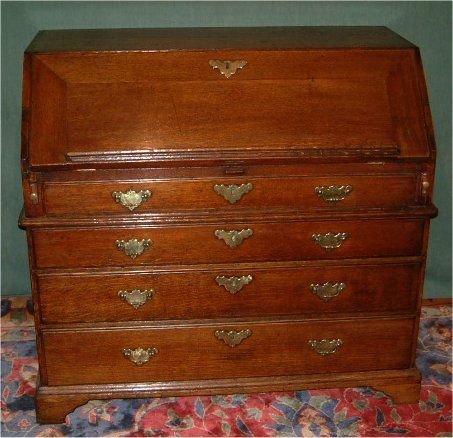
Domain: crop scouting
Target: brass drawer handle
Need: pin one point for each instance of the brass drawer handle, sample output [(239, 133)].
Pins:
[(333, 194), (136, 297), (233, 238), (131, 199), (140, 355), (133, 247), (330, 240), (327, 291), (227, 68), (233, 337), (233, 193), (234, 284), (325, 346)]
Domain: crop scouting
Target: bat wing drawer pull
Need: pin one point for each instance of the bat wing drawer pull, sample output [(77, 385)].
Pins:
[(325, 346), (333, 194), (330, 240), (140, 355), (328, 290)]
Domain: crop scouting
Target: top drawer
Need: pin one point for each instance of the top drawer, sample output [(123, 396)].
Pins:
[(298, 193), (149, 107)]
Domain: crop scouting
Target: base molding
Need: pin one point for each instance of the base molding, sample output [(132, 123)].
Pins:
[(53, 403), (437, 302)]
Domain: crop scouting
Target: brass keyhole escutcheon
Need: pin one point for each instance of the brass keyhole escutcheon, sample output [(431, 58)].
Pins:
[(233, 337), (140, 355), (226, 67), (133, 247), (233, 193), (131, 199), (233, 238), (233, 284)]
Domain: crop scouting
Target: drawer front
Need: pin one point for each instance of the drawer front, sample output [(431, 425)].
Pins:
[(263, 349), (228, 292), (141, 196), (227, 242)]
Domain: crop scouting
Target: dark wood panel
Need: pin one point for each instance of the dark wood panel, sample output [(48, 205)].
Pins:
[(199, 244), (196, 294), (47, 124), (188, 115), (184, 68), (210, 38), (277, 349), (174, 106), (192, 194)]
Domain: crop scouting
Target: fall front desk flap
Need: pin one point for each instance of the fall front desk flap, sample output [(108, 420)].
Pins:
[(92, 106)]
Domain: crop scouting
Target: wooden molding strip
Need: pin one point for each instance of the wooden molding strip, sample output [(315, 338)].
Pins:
[(436, 302)]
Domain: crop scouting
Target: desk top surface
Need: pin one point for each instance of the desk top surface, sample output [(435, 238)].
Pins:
[(219, 38)]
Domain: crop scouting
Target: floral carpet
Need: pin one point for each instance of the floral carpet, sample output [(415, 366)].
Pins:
[(335, 412)]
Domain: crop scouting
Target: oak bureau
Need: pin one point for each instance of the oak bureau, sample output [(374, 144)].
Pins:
[(222, 210)]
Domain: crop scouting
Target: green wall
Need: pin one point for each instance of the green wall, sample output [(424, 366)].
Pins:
[(427, 24)]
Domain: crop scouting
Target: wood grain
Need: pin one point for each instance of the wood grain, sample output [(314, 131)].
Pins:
[(168, 105), (95, 198), (273, 349), (161, 39), (199, 244), (193, 294)]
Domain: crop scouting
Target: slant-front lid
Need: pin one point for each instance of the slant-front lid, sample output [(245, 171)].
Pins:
[(201, 95)]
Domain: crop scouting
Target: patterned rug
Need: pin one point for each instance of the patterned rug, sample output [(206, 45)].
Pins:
[(335, 412)]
